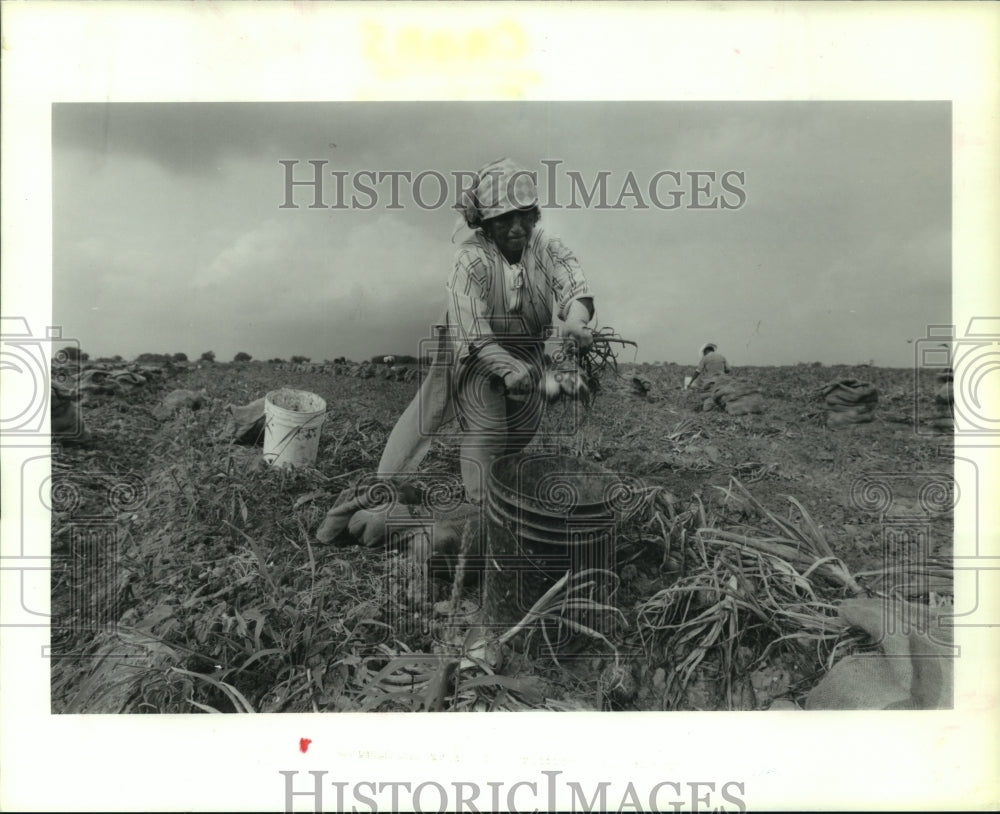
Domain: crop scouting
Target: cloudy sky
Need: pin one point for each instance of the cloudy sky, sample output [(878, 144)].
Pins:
[(170, 234)]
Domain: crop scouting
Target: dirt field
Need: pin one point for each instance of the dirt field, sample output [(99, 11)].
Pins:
[(212, 594)]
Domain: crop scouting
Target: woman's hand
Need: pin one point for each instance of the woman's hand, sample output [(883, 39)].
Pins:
[(581, 335), (518, 380)]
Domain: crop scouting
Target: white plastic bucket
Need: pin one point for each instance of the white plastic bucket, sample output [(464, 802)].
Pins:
[(687, 382), (292, 423)]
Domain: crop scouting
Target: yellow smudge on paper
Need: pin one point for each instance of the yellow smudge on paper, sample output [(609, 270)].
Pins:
[(488, 59)]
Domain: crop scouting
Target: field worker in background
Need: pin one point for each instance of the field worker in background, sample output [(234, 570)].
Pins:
[(509, 280), (710, 368), (388, 361)]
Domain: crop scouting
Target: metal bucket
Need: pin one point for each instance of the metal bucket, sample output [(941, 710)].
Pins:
[(546, 515)]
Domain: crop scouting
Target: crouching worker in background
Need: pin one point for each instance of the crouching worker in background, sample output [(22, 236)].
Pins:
[(711, 368), (509, 281)]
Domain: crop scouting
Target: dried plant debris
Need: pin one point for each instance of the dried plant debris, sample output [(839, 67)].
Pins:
[(187, 577)]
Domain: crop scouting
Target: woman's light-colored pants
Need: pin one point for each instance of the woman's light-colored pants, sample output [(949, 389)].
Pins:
[(492, 424)]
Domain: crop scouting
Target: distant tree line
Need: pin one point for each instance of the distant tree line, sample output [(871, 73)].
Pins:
[(159, 358), (399, 358), (73, 353)]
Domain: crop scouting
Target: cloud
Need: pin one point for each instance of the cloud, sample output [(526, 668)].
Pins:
[(168, 228), (253, 257)]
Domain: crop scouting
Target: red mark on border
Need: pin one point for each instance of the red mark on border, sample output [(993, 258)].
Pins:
[(304, 744)]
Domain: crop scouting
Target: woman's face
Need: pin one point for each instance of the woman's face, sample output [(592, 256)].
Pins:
[(511, 231)]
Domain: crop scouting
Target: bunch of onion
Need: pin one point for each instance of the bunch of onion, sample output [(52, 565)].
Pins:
[(576, 374), (804, 545), (735, 599), (601, 355), (558, 383)]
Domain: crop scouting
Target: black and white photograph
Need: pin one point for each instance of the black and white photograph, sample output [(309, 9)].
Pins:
[(657, 368), (621, 414)]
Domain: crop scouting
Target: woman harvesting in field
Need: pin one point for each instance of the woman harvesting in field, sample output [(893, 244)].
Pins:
[(510, 278)]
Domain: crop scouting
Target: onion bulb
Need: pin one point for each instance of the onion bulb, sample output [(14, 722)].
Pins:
[(552, 385)]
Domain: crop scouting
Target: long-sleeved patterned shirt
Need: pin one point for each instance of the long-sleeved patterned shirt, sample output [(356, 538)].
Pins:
[(496, 308)]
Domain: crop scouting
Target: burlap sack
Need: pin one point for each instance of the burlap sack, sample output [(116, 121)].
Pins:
[(735, 397), (178, 400), (248, 422), (746, 403), (913, 668), (849, 401), (66, 421), (863, 414), (849, 392)]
